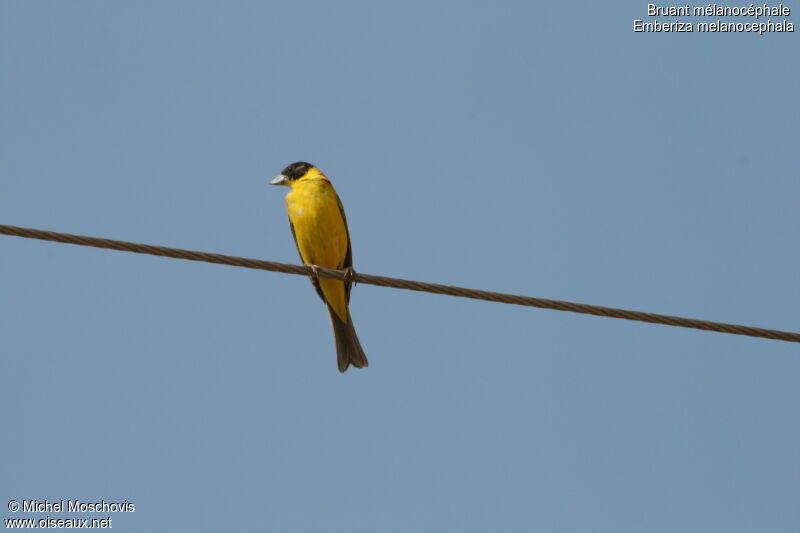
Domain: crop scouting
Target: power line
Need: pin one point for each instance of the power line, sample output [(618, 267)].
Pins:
[(382, 281)]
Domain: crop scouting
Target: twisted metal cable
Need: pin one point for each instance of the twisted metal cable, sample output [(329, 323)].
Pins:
[(382, 281)]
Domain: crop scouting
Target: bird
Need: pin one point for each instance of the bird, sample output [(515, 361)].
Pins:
[(319, 228)]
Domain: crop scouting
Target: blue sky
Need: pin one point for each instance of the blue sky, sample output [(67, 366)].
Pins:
[(544, 150)]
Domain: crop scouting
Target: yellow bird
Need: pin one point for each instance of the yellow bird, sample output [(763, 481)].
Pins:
[(319, 227)]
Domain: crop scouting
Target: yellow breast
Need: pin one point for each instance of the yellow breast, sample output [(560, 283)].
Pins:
[(318, 224), (320, 231)]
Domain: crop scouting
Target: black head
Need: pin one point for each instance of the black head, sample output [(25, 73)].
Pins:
[(297, 170)]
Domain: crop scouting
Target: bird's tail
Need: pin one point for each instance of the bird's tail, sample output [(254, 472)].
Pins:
[(348, 349)]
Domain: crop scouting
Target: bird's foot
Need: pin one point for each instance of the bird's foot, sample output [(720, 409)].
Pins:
[(350, 276), (314, 271)]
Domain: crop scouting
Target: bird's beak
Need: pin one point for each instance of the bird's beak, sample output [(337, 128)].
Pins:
[(280, 180)]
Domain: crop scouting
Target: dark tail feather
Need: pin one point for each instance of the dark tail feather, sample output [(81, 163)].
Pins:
[(348, 349)]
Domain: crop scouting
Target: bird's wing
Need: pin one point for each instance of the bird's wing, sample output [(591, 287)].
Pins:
[(348, 259), (314, 281)]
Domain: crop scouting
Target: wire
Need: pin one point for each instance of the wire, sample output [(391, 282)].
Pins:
[(382, 281)]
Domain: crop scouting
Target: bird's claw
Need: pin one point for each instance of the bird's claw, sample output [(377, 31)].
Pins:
[(350, 276), (314, 271)]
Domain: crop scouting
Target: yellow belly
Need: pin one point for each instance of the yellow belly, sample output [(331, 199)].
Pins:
[(321, 234)]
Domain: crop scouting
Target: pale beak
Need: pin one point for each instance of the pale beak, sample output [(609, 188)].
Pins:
[(280, 180)]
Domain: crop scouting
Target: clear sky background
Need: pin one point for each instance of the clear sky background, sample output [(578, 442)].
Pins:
[(538, 149)]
